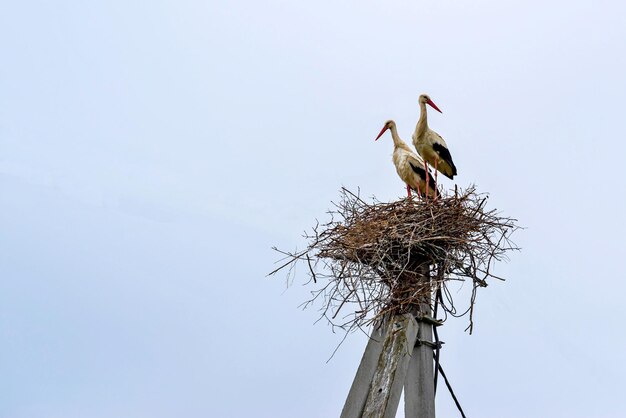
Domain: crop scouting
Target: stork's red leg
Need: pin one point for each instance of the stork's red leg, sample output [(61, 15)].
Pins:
[(436, 171), (419, 192), (426, 171), (408, 191)]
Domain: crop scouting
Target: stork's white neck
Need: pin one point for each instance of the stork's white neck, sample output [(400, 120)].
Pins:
[(394, 135), (422, 123)]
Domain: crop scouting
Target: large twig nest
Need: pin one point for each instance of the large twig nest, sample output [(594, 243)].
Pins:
[(374, 259)]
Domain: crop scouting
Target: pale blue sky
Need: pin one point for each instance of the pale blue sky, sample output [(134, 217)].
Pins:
[(151, 153)]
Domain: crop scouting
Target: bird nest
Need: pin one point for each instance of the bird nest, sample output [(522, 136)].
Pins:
[(373, 260)]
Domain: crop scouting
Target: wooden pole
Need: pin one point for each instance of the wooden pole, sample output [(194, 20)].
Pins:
[(386, 388), (419, 387), (377, 386), (355, 403), (398, 355)]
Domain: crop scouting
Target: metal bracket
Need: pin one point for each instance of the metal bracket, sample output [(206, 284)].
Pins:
[(430, 344), (429, 320)]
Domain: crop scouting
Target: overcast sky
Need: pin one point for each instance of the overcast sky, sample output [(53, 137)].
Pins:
[(151, 153)]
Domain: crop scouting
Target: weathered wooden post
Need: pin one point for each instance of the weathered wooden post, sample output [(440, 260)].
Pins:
[(378, 384), (355, 402), (386, 386), (397, 356), (419, 387)]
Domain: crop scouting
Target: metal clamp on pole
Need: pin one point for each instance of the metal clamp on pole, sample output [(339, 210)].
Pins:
[(429, 320), (433, 345)]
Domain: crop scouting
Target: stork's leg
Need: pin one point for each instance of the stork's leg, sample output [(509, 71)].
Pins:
[(408, 191), (426, 171), (419, 192), (436, 171)]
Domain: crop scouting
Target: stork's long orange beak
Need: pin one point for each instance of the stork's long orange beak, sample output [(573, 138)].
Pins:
[(434, 106), (382, 132)]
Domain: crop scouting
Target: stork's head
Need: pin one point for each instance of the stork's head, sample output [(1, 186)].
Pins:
[(425, 98), (388, 125)]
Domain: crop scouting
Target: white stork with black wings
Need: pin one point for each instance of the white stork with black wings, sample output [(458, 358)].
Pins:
[(429, 144), (409, 165)]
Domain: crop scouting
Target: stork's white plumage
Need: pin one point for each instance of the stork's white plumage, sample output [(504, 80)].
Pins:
[(429, 144), (409, 165)]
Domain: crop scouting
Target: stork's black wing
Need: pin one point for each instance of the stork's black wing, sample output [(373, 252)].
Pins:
[(444, 153)]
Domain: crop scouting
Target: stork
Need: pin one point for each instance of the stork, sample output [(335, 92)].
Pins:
[(410, 166), (429, 144)]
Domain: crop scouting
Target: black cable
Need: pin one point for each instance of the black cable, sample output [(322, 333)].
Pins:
[(437, 345), (456, 401)]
